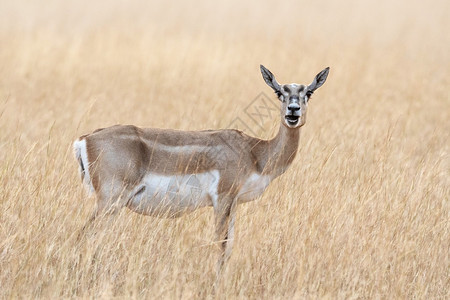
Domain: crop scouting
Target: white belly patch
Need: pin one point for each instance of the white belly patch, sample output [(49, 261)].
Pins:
[(173, 195)]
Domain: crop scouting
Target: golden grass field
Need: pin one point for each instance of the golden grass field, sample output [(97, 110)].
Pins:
[(363, 212)]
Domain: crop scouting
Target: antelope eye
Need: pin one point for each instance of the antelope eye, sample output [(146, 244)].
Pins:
[(279, 95)]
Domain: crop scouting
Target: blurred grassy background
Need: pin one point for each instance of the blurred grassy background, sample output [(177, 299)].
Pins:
[(363, 211)]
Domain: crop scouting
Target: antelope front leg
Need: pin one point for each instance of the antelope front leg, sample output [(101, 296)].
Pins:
[(225, 214)]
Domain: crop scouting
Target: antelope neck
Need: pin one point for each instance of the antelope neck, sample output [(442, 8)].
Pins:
[(279, 152)]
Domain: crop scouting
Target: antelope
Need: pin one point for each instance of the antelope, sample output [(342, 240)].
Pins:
[(165, 172)]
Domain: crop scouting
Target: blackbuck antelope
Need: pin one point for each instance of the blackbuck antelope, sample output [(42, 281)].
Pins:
[(164, 172)]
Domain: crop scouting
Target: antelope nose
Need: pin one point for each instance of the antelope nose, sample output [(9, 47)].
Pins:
[(293, 107)]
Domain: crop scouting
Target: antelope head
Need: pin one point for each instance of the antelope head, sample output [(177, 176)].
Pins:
[(294, 97)]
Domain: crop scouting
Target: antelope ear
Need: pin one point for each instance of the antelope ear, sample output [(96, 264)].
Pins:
[(270, 80), (319, 80)]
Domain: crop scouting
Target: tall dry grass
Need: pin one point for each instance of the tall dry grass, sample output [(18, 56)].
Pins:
[(363, 212)]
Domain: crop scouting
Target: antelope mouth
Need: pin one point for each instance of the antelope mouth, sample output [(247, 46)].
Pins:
[(291, 120)]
